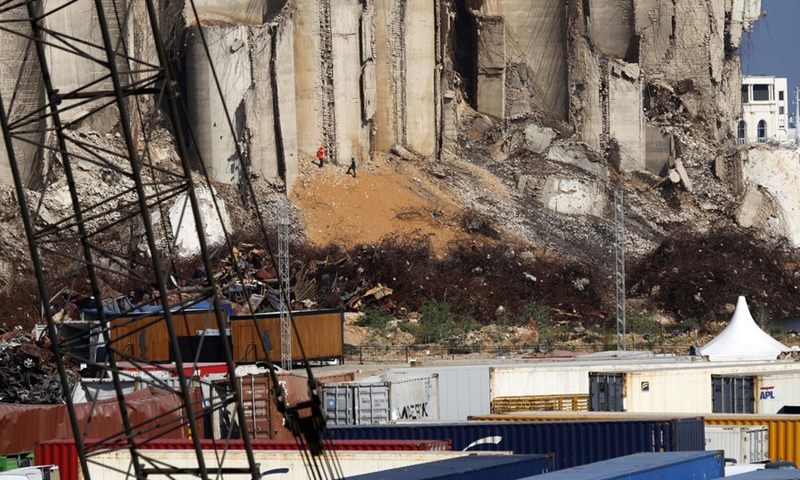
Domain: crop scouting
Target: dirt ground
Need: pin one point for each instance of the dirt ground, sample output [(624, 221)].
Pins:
[(387, 196)]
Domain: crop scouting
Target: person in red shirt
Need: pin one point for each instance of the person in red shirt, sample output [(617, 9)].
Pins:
[(321, 155)]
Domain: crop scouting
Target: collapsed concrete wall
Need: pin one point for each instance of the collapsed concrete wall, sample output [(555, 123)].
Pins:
[(21, 91), (771, 178)]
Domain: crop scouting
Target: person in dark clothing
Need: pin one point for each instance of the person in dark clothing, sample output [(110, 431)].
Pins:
[(352, 168)]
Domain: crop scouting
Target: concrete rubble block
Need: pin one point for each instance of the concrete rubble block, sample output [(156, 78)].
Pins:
[(183, 226), (576, 155), (687, 182), (749, 209), (775, 171), (229, 50), (538, 138), (611, 25), (653, 23), (625, 114), (658, 150), (572, 196)]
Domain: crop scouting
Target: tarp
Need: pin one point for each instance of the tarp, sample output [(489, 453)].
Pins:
[(742, 339)]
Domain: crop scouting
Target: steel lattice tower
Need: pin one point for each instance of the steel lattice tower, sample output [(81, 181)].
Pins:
[(285, 287), (619, 274)]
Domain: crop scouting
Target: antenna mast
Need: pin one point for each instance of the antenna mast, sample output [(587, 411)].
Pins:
[(619, 236)]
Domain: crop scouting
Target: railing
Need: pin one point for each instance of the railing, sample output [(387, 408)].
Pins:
[(412, 354), (575, 403)]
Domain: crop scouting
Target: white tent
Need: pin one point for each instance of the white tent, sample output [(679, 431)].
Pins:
[(742, 339)]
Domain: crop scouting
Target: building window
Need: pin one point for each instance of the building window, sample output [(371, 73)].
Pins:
[(745, 94), (780, 110), (762, 131), (761, 93), (780, 95), (741, 132)]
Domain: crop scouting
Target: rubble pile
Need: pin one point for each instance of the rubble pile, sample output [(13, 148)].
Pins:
[(28, 372)]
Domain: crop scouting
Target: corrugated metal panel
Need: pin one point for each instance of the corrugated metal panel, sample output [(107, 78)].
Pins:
[(648, 466), (477, 467), (743, 443), (64, 453), (322, 333), (573, 443), (115, 465), (369, 403)]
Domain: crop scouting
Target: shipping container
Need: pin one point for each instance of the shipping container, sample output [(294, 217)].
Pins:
[(685, 389), (648, 466), (322, 333), (763, 392), (473, 467), (263, 419), (573, 443), (741, 443), (380, 400), (115, 465), (24, 425), (784, 430), (767, 474), (64, 453)]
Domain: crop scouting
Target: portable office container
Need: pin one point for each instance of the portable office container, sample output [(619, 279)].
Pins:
[(573, 443), (742, 443), (116, 465), (400, 397), (322, 333), (685, 389), (473, 467), (784, 430), (648, 466), (64, 453)]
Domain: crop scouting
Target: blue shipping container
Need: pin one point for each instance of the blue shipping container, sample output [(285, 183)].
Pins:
[(572, 443), (793, 474), (472, 467), (648, 466)]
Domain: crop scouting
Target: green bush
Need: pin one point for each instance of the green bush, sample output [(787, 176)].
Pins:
[(375, 319)]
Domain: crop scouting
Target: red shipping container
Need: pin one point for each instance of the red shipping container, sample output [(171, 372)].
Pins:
[(64, 453)]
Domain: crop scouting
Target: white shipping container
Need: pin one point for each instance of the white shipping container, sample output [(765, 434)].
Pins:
[(678, 390), (463, 390), (572, 377), (745, 444), (382, 399), (117, 465), (776, 391)]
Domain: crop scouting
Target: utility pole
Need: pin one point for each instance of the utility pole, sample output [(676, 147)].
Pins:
[(283, 277), (619, 236)]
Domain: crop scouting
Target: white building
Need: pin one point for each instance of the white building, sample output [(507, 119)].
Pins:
[(765, 112)]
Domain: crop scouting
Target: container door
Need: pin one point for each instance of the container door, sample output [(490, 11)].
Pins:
[(338, 401), (605, 392), (372, 404), (733, 394)]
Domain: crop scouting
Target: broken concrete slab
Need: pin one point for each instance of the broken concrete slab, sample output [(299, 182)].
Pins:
[(576, 155), (687, 182), (775, 171), (748, 213), (183, 226), (538, 138), (625, 114), (658, 150), (573, 196), (611, 25)]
